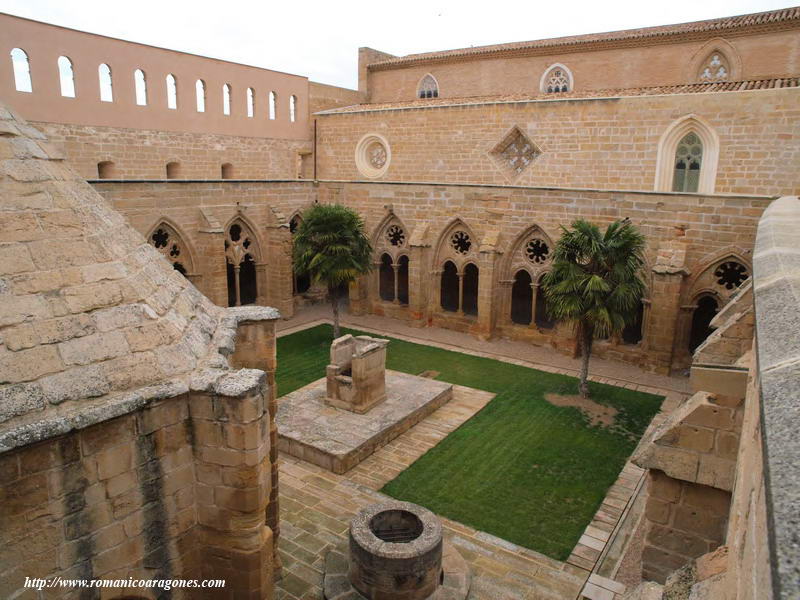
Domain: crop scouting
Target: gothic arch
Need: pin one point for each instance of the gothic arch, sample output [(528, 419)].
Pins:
[(168, 239), (427, 87), (391, 258), (544, 86), (242, 255), (391, 236), (460, 251), (718, 45), (706, 281), (535, 259), (668, 144)]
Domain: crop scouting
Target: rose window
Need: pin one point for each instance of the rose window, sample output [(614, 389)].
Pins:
[(537, 251), (377, 155), (460, 242), (731, 274), (395, 235)]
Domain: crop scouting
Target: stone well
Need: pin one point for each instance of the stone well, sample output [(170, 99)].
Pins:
[(397, 552)]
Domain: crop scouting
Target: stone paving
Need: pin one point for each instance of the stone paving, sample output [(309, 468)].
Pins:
[(316, 505)]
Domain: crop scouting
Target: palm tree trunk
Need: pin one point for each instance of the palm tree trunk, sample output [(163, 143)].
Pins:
[(334, 296), (588, 336)]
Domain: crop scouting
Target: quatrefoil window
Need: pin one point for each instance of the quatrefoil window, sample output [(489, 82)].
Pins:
[(731, 274), (160, 238), (460, 242), (395, 235), (537, 251), (174, 251)]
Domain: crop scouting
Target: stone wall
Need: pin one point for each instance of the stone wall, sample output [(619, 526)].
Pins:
[(638, 63), (144, 153), (590, 143)]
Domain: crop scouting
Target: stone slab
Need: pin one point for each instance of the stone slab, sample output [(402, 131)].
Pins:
[(337, 439)]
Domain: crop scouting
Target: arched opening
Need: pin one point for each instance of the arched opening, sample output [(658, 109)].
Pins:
[(556, 79), (707, 307), (632, 332), (106, 169), (386, 278), (293, 108), (22, 70), (66, 76), (106, 83), (449, 287), (541, 316), (251, 102), (173, 170), (200, 92), (241, 266), (172, 92), (272, 100), (402, 280), (226, 99), (227, 171), (167, 241), (428, 87), (522, 298), (140, 83), (470, 294), (248, 291), (688, 158)]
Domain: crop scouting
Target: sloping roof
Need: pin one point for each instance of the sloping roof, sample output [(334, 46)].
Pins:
[(712, 26), (689, 88), (94, 322)]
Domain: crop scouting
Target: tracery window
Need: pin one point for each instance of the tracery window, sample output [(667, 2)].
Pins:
[(395, 235), (241, 265), (66, 76), (715, 68), (428, 88), (688, 159), (460, 242), (22, 70), (171, 247), (390, 241), (557, 80), (731, 274), (537, 251)]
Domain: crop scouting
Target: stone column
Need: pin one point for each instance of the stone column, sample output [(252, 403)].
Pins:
[(534, 296), (435, 304), (262, 285), (486, 295), (395, 267), (232, 463), (212, 266), (461, 293), (279, 276), (664, 318), (419, 284), (236, 272)]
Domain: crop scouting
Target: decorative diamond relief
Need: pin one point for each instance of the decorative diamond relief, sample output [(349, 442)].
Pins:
[(515, 153)]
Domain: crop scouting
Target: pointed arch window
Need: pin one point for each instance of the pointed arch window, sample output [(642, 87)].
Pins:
[(251, 102), (522, 298), (556, 79), (688, 160), (106, 83), (167, 241), (66, 76), (293, 108), (172, 92), (22, 70), (714, 68), (200, 92), (140, 82), (272, 100), (428, 87), (226, 99), (240, 259)]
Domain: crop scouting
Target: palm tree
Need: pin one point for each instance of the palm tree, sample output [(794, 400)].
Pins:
[(595, 282), (331, 247)]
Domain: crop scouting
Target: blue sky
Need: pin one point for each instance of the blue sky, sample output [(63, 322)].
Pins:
[(321, 39)]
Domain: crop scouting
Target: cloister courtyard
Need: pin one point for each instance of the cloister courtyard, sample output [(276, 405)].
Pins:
[(532, 494)]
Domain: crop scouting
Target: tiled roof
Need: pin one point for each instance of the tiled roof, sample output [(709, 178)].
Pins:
[(689, 88), (695, 27)]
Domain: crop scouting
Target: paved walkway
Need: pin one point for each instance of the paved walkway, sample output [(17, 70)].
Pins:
[(317, 505)]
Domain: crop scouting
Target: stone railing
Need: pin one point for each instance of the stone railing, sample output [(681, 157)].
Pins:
[(776, 266)]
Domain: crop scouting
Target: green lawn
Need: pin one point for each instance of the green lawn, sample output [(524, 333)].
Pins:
[(521, 469)]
